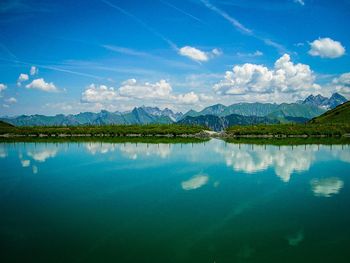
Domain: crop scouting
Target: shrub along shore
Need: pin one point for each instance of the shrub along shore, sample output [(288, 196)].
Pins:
[(161, 130), (290, 130)]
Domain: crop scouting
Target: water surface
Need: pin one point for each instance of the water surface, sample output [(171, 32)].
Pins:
[(201, 202)]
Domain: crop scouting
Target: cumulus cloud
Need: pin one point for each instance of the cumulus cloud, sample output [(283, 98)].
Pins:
[(342, 83), (131, 89), (285, 77), (40, 84), (326, 48), (188, 98), (326, 187), (99, 94), (198, 55), (22, 77), (33, 70), (195, 182)]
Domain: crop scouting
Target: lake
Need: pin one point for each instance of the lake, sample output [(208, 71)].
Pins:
[(196, 202)]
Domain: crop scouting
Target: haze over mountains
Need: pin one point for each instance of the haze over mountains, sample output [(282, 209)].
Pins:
[(216, 117)]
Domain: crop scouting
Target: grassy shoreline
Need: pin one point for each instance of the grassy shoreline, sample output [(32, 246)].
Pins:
[(290, 141), (173, 131), (156, 130), (289, 130), (148, 140)]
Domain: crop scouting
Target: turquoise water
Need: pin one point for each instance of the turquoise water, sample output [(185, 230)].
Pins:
[(206, 202)]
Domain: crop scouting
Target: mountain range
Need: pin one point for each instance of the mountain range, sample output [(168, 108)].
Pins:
[(217, 123), (139, 115), (324, 102), (216, 117), (255, 113)]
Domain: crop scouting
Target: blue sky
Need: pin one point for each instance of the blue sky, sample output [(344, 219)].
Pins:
[(71, 56)]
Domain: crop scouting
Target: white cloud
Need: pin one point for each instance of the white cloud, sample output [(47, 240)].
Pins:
[(11, 100), (160, 90), (195, 182), (199, 55), (2, 87), (326, 187), (22, 77), (131, 90), (99, 94), (188, 98), (342, 83), (326, 48), (193, 53), (286, 77), (40, 84), (33, 70), (301, 2)]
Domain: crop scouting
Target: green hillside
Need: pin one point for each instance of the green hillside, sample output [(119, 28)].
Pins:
[(5, 125), (340, 114)]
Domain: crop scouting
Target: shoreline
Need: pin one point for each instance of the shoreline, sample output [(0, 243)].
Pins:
[(202, 137), (198, 135)]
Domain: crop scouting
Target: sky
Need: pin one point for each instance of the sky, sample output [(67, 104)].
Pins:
[(63, 56)]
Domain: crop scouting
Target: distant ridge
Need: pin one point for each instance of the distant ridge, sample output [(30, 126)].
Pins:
[(324, 102), (217, 123), (241, 113), (279, 111), (139, 115)]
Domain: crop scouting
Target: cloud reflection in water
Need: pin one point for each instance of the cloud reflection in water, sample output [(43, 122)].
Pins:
[(326, 187)]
